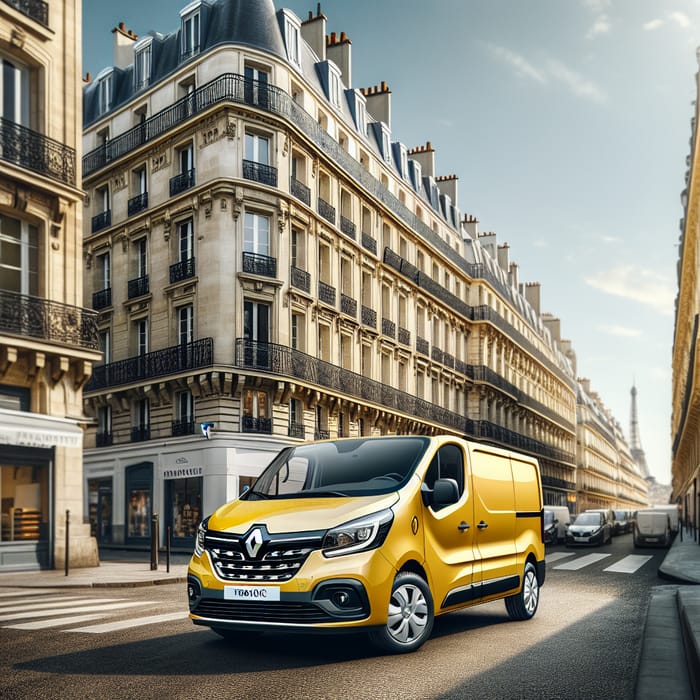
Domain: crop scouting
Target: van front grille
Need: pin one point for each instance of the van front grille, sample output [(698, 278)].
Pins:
[(248, 611)]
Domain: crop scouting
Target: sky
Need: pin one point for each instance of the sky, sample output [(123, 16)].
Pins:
[(568, 125)]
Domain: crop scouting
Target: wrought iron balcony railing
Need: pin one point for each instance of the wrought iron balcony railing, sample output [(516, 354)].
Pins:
[(102, 299), (300, 191), (101, 220), (326, 293), (300, 279), (369, 243), (181, 182), (140, 433), (321, 434), (250, 424), (348, 227), (182, 270), (184, 426), (34, 9), (296, 430), (256, 264), (369, 316), (260, 172), (159, 363), (404, 336), (326, 210), (51, 321), (137, 203), (436, 354), (34, 151), (422, 346), (348, 305), (138, 287), (104, 439), (388, 328)]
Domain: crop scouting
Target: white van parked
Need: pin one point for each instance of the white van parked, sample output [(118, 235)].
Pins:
[(673, 513), (556, 520), (652, 527)]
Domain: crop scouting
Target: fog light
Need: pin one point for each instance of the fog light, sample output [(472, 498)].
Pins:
[(193, 590), (340, 598)]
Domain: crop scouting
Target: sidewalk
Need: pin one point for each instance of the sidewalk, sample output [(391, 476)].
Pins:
[(669, 665)]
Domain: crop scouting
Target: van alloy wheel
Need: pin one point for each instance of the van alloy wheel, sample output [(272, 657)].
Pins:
[(523, 605), (410, 615)]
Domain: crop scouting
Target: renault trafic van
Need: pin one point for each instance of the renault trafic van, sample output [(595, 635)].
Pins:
[(378, 534)]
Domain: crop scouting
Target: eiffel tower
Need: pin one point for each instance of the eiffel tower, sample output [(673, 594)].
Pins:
[(635, 443)]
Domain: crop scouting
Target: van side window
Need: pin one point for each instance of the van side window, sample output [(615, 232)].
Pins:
[(448, 463)]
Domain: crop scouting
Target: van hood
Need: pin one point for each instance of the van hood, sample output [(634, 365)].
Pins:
[(296, 514)]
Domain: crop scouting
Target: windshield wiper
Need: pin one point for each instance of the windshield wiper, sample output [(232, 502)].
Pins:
[(321, 494), (259, 494)]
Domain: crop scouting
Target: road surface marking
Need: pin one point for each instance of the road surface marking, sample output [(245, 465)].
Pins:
[(79, 609), (629, 564), (126, 624), (549, 558), (58, 602), (42, 624), (579, 563), (22, 594)]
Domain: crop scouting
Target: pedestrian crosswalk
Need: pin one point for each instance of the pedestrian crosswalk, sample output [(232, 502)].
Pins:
[(32, 610), (629, 564)]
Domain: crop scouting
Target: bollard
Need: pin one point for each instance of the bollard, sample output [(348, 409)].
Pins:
[(154, 542), (67, 555), (167, 549)]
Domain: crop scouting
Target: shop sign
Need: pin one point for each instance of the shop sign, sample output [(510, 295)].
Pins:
[(182, 470), (39, 438)]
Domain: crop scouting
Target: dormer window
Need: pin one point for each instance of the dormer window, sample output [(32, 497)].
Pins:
[(403, 154), (331, 77), (292, 33), (190, 31), (104, 91), (142, 63), (417, 177), (358, 107)]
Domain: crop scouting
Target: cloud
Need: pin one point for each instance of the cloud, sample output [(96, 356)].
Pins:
[(610, 239), (678, 18), (596, 5), (637, 284), (652, 25), (621, 331), (601, 25), (682, 20), (553, 71)]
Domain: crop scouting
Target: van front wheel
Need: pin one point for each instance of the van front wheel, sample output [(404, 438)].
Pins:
[(523, 605), (410, 616)]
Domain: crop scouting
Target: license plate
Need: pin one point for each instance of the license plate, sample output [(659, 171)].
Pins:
[(261, 594), (580, 539)]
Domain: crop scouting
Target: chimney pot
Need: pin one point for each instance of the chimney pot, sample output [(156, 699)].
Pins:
[(122, 26)]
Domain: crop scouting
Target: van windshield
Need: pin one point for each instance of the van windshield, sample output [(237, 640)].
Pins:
[(350, 467), (589, 519)]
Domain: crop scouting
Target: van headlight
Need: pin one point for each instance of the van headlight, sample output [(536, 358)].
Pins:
[(368, 532), (199, 539)]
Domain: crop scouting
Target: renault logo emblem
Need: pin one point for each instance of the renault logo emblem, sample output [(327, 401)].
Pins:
[(253, 543)]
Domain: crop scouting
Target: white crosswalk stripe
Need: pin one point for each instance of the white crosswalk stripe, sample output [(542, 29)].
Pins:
[(57, 602), (581, 562), (126, 624), (629, 564), (556, 556), (73, 610), (44, 624)]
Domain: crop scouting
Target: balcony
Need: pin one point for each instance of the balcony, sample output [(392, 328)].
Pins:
[(326, 210), (300, 191), (34, 9), (102, 220), (172, 360), (296, 430), (388, 328), (182, 270), (103, 439), (322, 434), (348, 305), (137, 203), (326, 293), (138, 287), (422, 346), (140, 433), (184, 426), (437, 355), (404, 336), (369, 243), (47, 320), (36, 152), (102, 299), (300, 279), (181, 182), (260, 172), (256, 264), (250, 424), (348, 227), (369, 317)]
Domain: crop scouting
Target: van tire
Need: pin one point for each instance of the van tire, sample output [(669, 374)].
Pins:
[(523, 605), (410, 616)]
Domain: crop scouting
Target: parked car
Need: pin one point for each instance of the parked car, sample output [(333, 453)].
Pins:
[(652, 527), (622, 523), (608, 513), (556, 520), (590, 527)]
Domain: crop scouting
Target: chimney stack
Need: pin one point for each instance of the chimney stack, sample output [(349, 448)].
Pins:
[(448, 186), (379, 102), (554, 325), (471, 225), (124, 40), (339, 50), (313, 31), (504, 257), (425, 156), (532, 295)]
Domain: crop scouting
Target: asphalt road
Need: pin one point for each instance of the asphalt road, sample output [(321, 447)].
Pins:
[(584, 642)]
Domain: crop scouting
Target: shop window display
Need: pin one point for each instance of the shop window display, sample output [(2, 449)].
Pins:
[(23, 502), (186, 500)]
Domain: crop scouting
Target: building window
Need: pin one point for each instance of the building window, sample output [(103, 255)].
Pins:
[(105, 345), (103, 438), (14, 92), (334, 86), (255, 412), (255, 88), (141, 257), (292, 30), (25, 501), (103, 213), (105, 84), (185, 240), (140, 189), (142, 63), (257, 148), (141, 336), (185, 324), (190, 31), (141, 426), (256, 234), (296, 419), (19, 256)]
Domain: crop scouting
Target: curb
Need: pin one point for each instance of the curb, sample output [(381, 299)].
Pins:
[(689, 613)]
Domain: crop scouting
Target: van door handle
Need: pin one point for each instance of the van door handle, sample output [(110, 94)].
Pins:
[(482, 525), (463, 527)]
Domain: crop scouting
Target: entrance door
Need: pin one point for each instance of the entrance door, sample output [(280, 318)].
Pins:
[(450, 533), (139, 495)]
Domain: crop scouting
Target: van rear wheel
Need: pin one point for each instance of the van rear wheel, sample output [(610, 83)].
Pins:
[(410, 616), (523, 605)]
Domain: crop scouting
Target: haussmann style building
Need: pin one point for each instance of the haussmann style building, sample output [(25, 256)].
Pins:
[(267, 258), (48, 341)]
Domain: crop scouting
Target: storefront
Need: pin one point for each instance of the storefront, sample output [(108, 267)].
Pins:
[(183, 503)]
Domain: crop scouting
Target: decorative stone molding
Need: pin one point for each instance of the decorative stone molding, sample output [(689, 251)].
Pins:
[(119, 181)]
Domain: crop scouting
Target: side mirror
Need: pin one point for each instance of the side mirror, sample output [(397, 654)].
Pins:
[(445, 492), (556, 522)]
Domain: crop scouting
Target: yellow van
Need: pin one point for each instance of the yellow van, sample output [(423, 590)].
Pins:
[(380, 534)]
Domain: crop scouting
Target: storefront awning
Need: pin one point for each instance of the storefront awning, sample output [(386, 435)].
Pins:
[(34, 430)]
